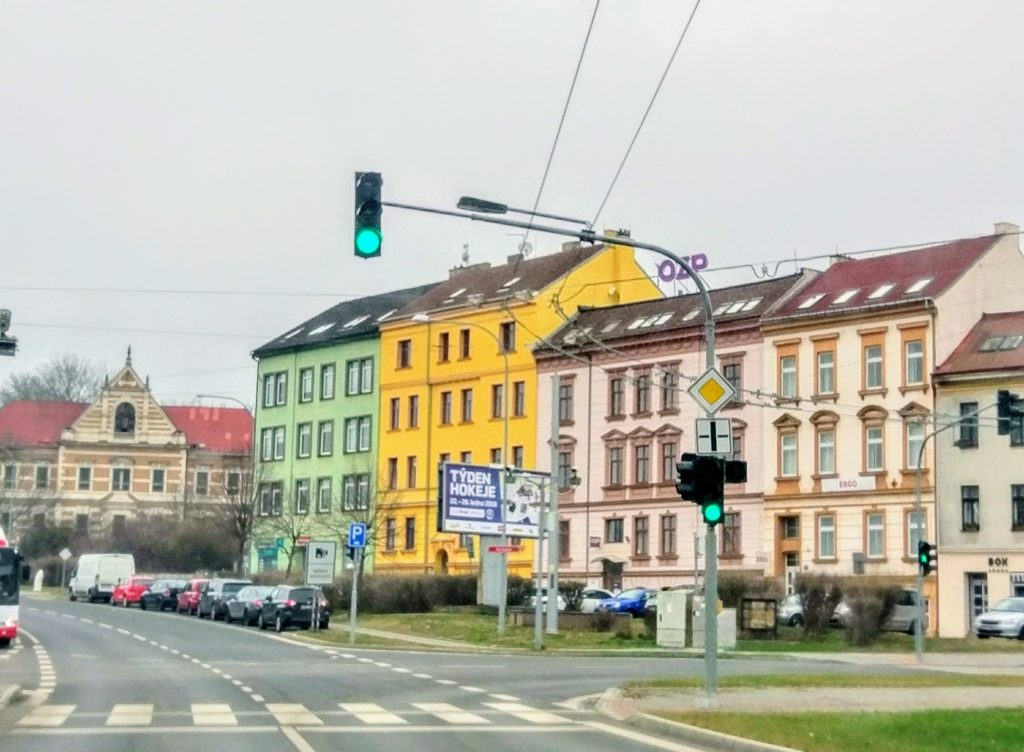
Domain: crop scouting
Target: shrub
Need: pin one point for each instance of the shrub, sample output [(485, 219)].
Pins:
[(519, 590), (821, 594), (870, 608), (51, 567), (391, 594), (650, 625), (572, 592), (602, 621)]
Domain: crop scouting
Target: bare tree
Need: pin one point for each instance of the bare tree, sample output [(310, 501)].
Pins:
[(20, 498), (238, 506), (369, 506), (280, 516), (68, 377)]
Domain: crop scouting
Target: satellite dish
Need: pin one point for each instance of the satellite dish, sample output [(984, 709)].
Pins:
[(525, 248)]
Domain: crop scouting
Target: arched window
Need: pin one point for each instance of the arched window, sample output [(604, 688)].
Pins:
[(124, 418)]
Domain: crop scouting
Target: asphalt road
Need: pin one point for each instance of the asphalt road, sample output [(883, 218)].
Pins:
[(107, 678)]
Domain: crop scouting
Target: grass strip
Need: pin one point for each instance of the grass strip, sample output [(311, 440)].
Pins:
[(798, 681)]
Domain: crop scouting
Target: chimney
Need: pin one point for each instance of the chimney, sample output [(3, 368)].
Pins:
[(571, 245), (515, 258), (1006, 228)]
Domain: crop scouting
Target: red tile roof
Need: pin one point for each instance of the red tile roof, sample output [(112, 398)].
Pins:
[(942, 264), (26, 423), (218, 429), (969, 357)]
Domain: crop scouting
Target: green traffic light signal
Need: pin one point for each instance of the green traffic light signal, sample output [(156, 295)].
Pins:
[(367, 241), (368, 238), (712, 513)]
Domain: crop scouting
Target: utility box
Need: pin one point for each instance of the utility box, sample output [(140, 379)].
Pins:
[(726, 626), (674, 623)]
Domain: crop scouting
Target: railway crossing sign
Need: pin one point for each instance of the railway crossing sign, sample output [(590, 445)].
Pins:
[(714, 435), (712, 391)]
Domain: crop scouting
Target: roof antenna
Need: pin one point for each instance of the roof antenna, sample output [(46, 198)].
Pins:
[(465, 254)]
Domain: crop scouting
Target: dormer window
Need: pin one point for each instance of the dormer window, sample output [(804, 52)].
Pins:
[(124, 419)]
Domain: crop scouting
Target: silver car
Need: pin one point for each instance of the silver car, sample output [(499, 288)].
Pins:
[(1005, 619)]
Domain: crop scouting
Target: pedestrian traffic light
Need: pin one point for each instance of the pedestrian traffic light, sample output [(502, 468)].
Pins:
[(367, 218), (1009, 408), (927, 557), (350, 553), (686, 485)]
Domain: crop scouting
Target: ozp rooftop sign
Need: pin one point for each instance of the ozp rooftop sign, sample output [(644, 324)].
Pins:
[(670, 271)]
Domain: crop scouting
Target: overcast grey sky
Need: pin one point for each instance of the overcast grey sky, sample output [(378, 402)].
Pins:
[(211, 145)]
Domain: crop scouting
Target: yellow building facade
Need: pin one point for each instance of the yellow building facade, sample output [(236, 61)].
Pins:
[(445, 361)]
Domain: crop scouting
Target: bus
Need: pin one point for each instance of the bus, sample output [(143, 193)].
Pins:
[(12, 571)]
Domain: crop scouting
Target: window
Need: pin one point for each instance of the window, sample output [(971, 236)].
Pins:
[(464, 343), (466, 457), (874, 456), (269, 390), (787, 450), (359, 376), (790, 527), (10, 476), (414, 411), (443, 347), (876, 535), (915, 361), (202, 482), (267, 444), (826, 372), (302, 496), (394, 413), (731, 534), (563, 539), (970, 512), (355, 492), (325, 442), (467, 405), (826, 452), (508, 336), (564, 471), (124, 419), (968, 428), (615, 466), (42, 477), (122, 480), (303, 440), (613, 530), (281, 383), (390, 533), (357, 434), (733, 373), (642, 394), (668, 461), (642, 463), (84, 478), (669, 389), (873, 367), (565, 402), (279, 439), (327, 382), (1017, 506), (443, 458), (306, 385), (271, 495), (410, 471), (640, 536), (826, 536), (392, 473), (518, 455), (446, 408), (323, 495), (497, 401), (404, 359), (915, 440), (915, 531), (787, 382), (410, 533), (156, 480), (616, 397), (519, 399), (496, 456), (233, 483), (668, 535)]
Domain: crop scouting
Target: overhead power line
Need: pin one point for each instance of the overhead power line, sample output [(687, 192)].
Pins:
[(169, 291)]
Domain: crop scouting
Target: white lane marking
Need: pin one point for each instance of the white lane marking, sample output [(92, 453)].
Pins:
[(365, 660), (50, 611), (87, 621), (213, 714), (505, 698), (423, 676), (105, 626), (123, 631), (154, 643), (196, 660), (528, 714), (371, 714), (139, 637), (382, 664), (130, 715), (292, 714), (176, 652), (402, 670), (446, 682), (47, 715), (248, 690), (471, 689), (346, 655), (31, 637), (450, 713), (204, 665), (257, 698), (295, 738), (229, 677), (236, 682)]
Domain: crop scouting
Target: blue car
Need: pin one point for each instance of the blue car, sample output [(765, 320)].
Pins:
[(632, 601)]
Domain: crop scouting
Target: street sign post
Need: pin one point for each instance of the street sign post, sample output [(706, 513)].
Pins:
[(712, 391), (504, 549), (357, 535), (320, 560), (64, 555), (714, 435)]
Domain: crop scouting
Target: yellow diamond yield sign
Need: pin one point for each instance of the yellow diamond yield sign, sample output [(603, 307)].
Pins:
[(712, 391)]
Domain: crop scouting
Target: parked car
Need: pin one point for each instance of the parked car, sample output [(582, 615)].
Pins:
[(593, 596), (902, 619), (162, 594), (544, 601), (130, 591), (245, 605), (188, 598), (292, 606), (96, 575), (790, 611), (212, 602), (1005, 619), (632, 601)]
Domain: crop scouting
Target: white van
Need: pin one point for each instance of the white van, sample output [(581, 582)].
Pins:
[(96, 575)]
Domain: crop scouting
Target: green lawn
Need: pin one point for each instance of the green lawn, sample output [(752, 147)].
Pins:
[(925, 731), (757, 681), (834, 641)]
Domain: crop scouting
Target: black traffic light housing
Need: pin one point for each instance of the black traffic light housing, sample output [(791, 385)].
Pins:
[(927, 557), (1009, 407), (367, 236), (686, 483)]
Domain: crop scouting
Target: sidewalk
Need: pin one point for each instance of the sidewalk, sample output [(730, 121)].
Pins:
[(963, 663)]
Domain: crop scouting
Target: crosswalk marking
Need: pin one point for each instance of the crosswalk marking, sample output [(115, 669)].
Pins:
[(48, 715), (450, 713), (371, 713), (213, 714), (130, 715), (292, 714), (526, 713)]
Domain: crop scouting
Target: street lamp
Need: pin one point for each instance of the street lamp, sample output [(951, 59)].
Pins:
[(225, 397)]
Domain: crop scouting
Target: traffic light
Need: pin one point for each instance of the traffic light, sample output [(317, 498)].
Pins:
[(1009, 407), (710, 473), (927, 557), (686, 485), (368, 210)]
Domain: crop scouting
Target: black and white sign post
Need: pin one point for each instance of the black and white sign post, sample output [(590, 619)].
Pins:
[(320, 559)]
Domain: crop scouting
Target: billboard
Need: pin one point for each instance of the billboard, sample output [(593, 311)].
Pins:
[(488, 500)]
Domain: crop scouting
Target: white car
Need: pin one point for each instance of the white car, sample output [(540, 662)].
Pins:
[(591, 597), (1005, 619), (544, 601)]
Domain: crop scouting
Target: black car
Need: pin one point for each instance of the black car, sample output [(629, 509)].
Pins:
[(213, 601), (162, 594), (245, 605), (292, 606)]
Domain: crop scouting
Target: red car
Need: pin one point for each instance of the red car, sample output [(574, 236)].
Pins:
[(130, 591), (188, 598)]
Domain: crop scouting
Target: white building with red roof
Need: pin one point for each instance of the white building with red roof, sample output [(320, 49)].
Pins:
[(93, 466)]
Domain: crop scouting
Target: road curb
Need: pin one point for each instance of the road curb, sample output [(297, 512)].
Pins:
[(8, 695)]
